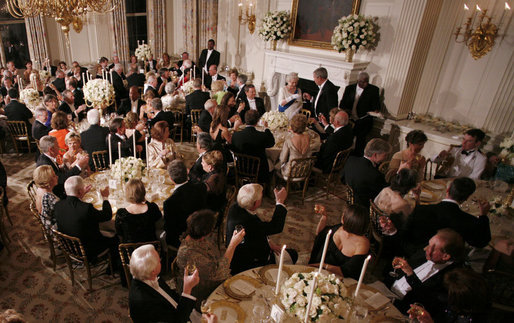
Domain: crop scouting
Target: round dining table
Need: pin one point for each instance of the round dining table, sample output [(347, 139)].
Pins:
[(248, 297)]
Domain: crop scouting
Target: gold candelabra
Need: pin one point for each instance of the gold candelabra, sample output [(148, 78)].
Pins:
[(247, 14), (478, 32), (65, 12)]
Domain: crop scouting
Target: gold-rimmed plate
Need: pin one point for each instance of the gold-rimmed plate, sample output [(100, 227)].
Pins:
[(241, 286), (227, 311), (434, 185), (269, 273), (427, 196)]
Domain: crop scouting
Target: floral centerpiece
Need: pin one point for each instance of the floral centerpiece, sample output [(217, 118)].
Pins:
[(329, 300), (143, 52), (44, 75), (99, 93), (127, 168), (354, 32), (500, 208), (30, 97), (507, 153), (275, 120), (275, 26), (188, 87)]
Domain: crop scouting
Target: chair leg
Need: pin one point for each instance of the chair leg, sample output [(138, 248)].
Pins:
[(52, 252), (70, 267), (28, 144), (89, 278), (4, 209)]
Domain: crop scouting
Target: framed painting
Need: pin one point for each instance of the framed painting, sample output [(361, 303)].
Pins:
[(313, 21)]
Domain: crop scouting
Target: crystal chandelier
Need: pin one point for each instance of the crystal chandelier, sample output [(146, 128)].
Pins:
[(65, 12)]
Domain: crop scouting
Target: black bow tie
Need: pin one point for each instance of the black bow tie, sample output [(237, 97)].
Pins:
[(464, 152)]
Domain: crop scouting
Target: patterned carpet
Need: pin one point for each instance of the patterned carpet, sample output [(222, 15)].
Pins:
[(29, 284)]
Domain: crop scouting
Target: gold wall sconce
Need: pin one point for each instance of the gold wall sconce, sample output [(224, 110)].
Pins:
[(478, 32), (247, 14)]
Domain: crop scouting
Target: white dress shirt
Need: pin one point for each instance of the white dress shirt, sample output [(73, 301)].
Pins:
[(209, 52), (401, 287), (317, 96), (155, 285), (358, 93), (251, 103), (471, 165)]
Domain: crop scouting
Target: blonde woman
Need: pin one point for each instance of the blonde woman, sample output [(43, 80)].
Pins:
[(45, 179), (217, 90), (161, 149), (75, 150)]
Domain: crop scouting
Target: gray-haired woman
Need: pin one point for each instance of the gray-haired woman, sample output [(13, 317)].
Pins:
[(290, 96)]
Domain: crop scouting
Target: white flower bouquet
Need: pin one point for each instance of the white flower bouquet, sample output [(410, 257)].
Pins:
[(275, 26), (507, 153), (354, 32), (30, 97), (127, 168), (143, 52), (99, 93), (499, 208), (275, 120), (44, 75), (188, 87), (329, 301)]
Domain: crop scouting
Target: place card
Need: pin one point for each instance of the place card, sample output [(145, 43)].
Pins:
[(277, 313), (377, 300), (113, 184), (243, 287)]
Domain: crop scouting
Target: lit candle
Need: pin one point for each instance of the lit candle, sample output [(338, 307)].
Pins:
[(240, 5), (280, 265), (134, 141), (119, 150), (146, 148), (111, 76), (202, 77), (363, 272), (194, 72), (311, 294), (507, 7), (138, 42), (110, 152), (477, 8), (322, 262)]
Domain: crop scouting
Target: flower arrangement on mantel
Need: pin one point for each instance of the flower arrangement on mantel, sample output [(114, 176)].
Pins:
[(354, 32), (441, 125), (275, 26), (507, 153)]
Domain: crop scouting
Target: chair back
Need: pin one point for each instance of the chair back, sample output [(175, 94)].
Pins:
[(71, 246), (195, 116), (246, 169), (18, 129), (126, 249), (306, 113), (350, 197), (339, 163), (101, 160), (38, 146), (32, 191), (374, 216), (300, 169), (178, 125)]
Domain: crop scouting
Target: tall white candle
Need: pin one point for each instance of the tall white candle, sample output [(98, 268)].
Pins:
[(134, 140), (146, 148), (83, 80), (202, 76), (119, 150), (322, 262), (194, 72), (110, 152), (311, 294), (363, 272), (111, 76), (280, 265)]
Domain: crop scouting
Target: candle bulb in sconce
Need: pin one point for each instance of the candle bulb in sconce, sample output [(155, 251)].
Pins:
[(507, 9)]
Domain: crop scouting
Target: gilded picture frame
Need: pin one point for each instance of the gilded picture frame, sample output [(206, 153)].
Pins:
[(314, 21)]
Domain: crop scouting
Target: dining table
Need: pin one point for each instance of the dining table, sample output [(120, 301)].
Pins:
[(249, 297)]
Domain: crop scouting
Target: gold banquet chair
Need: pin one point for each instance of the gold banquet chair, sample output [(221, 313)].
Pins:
[(19, 134), (47, 235), (337, 167), (306, 113), (246, 169), (101, 160), (375, 231), (195, 118), (299, 171), (126, 249), (32, 191), (178, 125)]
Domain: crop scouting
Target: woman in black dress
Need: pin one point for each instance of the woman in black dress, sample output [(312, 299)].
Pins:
[(347, 247), (136, 222)]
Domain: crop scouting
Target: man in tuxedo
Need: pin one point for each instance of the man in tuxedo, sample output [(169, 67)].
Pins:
[(241, 84), (7, 85), (204, 144), (120, 91), (151, 64), (17, 111), (117, 135), (94, 138), (362, 174), (68, 106), (252, 102), (326, 98), (79, 219), (425, 220), (78, 96), (135, 78), (49, 152), (132, 104), (187, 198), (39, 129), (59, 82), (209, 56), (160, 115), (359, 99), (206, 116), (212, 76), (162, 80), (257, 250), (150, 298), (197, 98), (340, 139), (252, 142)]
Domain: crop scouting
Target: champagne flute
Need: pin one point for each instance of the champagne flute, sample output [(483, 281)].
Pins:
[(397, 263), (238, 228)]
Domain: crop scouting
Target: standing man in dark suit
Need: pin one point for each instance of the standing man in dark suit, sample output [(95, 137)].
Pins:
[(252, 102), (132, 104), (209, 56), (362, 174), (326, 98), (120, 91), (212, 76), (160, 115), (135, 78), (17, 111), (257, 250), (359, 99), (94, 138), (340, 139), (252, 142), (117, 135), (150, 298), (187, 198), (39, 129)]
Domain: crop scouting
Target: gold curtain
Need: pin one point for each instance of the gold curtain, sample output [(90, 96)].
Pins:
[(119, 26), (157, 27), (36, 38), (200, 24)]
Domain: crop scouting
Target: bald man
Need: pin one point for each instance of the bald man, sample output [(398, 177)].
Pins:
[(340, 139)]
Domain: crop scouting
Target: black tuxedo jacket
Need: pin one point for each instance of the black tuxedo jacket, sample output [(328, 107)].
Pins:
[(94, 139), (205, 121), (79, 98), (196, 100), (185, 200), (196, 172), (17, 111), (39, 130), (127, 145), (80, 219), (61, 173), (153, 68), (240, 95), (213, 59), (255, 250), (59, 84), (426, 220), (147, 305), (368, 101), (119, 88), (340, 140), (164, 116), (250, 141), (136, 79), (126, 106), (65, 107), (259, 103), (327, 99), (365, 179), (208, 79)]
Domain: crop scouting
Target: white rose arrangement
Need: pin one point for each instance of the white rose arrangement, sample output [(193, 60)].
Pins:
[(99, 93), (499, 208), (127, 168), (329, 300), (188, 87), (507, 153), (275, 26), (354, 32), (30, 97), (275, 120), (44, 75), (143, 52)]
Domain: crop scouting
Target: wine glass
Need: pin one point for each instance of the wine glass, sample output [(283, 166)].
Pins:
[(190, 268), (416, 310), (397, 263), (238, 228), (206, 309), (359, 313), (319, 209)]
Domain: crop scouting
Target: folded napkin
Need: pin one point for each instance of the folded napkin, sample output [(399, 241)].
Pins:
[(243, 287), (377, 300)]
